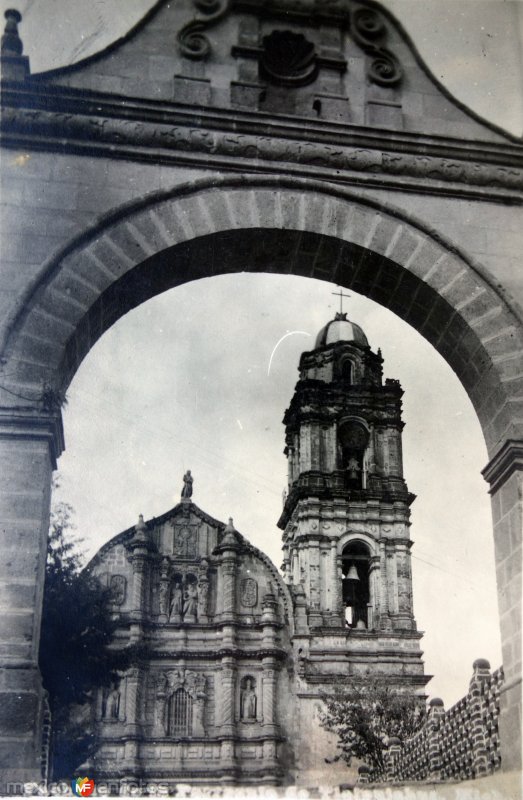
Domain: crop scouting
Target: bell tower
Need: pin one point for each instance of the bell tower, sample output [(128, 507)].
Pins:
[(346, 515)]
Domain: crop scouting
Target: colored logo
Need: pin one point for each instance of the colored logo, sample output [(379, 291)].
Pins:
[(82, 787)]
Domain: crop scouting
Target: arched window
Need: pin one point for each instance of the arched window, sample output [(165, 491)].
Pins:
[(180, 713), (346, 371), (355, 584), (353, 439)]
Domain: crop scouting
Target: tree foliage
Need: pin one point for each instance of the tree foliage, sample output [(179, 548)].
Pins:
[(365, 716), (75, 643)]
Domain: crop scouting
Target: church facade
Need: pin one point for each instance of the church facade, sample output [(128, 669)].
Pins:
[(237, 656)]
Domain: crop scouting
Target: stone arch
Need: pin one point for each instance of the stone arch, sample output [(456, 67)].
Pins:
[(357, 536), (292, 226)]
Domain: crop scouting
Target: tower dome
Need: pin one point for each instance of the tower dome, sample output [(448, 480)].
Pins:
[(341, 329)]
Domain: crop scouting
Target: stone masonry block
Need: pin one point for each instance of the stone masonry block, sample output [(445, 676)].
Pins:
[(386, 230), (12, 190), (125, 240), (18, 711), (17, 624), (24, 373), (461, 289), (38, 350), (445, 274), (362, 222), (147, 226), (505, 342), (63, 307), (28, 460), (88, 271), (88, 199), (314, 208), (109, 258), (19, 565), (336, 218), (25, 680), (29, 248), (19, 163), (13, 595), (404, 246), (46, 326), (19, 535), (267, 209), (171, 220), (484, 313), (50, 195), (425, 258)]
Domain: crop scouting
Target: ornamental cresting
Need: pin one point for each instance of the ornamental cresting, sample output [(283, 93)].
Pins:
[(459, 744)]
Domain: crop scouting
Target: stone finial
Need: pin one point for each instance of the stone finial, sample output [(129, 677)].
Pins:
[(481, 672), (140, 530), (481, 664), (14, 66), (11, 43)]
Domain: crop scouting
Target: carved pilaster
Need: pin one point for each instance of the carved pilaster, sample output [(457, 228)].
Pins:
[(228, 549), (139, 548), (227, 697), (375, 607), (164, 591), (203, 592), (131, 699), (269, 683), (404, 583)]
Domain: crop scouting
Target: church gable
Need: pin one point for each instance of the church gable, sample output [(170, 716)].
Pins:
[(343, 62), (211, 616)]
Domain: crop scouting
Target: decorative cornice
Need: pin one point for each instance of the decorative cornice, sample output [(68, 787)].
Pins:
[(70, 121), (506, 461), (217, 655), (31, 424)]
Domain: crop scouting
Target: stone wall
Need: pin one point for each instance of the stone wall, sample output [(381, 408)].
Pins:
[(459, 744)]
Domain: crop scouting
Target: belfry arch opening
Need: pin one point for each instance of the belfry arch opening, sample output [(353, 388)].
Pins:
[(355, 559), (353, 441)]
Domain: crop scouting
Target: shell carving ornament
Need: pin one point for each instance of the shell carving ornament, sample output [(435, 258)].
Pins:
[(288, 59)]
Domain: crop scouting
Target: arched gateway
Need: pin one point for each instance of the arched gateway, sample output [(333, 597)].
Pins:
[(120, 181)]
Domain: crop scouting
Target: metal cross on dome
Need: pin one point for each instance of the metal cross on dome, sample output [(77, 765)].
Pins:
[(341, 296)]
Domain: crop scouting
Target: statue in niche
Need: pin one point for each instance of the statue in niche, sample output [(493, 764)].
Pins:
[(190, 603), (111, 703), (118, 587), (187, 485), (164, 597), (176, 602), (353, 468), (248, 701), (185, 543)]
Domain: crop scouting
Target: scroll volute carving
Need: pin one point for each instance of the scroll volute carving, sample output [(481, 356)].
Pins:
[(369, 31), (192, 41)]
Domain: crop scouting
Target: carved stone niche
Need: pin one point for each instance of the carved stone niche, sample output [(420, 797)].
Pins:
[(118, 587), (180, 704)]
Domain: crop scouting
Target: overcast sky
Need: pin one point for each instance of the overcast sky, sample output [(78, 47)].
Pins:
[(184, 380)]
